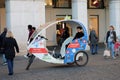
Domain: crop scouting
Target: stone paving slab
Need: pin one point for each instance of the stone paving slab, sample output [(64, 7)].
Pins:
[(98, 68)]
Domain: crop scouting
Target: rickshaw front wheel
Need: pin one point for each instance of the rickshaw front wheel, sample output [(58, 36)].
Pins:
[(81, 58)]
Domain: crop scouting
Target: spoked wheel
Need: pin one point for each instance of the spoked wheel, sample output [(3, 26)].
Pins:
[(81, 58), (31, 58)]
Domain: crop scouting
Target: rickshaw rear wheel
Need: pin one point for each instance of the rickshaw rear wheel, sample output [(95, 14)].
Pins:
[(81, 58)]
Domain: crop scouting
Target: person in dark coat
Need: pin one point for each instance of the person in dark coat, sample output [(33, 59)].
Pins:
[(31, 30), (79, 33), (93, 41), (110, 40), (2, 37), (10, 45), (65, 35)]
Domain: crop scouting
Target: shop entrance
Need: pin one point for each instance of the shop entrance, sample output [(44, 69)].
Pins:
[(94, 23)]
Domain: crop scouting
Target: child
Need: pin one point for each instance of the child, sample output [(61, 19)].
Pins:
[(116, 47)]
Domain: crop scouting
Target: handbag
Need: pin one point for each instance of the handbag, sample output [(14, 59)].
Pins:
[(106, 52)]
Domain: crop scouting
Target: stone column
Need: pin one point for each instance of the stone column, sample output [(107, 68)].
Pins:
[(114, 11), (79, 11), (21, 13)]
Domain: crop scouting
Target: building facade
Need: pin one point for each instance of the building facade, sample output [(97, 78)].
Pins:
[(17, 14)]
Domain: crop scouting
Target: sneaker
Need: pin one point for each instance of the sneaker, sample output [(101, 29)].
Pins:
[(4, 64), (25, 56), (114, 57)]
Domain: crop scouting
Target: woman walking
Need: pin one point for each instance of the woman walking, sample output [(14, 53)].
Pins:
[(110, 40), (10, 45)]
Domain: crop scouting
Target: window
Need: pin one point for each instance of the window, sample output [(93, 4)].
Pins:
[(61, 3), (96, 4)]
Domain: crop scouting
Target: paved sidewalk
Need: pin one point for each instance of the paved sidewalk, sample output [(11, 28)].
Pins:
[(97, 68)]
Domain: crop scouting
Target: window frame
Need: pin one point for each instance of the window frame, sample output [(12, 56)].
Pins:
[(54, 2), (90, 6)]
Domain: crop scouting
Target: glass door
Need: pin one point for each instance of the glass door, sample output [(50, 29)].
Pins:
[(94, 23)]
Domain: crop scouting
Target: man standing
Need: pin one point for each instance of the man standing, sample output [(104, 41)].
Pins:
[(93, 41)]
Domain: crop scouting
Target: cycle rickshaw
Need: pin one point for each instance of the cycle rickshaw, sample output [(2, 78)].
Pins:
[(75, 52)]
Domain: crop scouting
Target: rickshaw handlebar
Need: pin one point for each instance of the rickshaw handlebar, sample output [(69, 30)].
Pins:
[(43, 37)]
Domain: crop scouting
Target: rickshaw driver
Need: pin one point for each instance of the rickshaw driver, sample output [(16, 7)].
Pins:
[(78, 35)]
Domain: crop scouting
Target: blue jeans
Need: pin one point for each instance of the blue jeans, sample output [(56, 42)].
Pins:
[(111, 47), (94, 48), (10, 65), (3, 58)]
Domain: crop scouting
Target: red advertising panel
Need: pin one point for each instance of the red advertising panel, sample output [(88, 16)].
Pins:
[(74, 45), (38, 50)]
